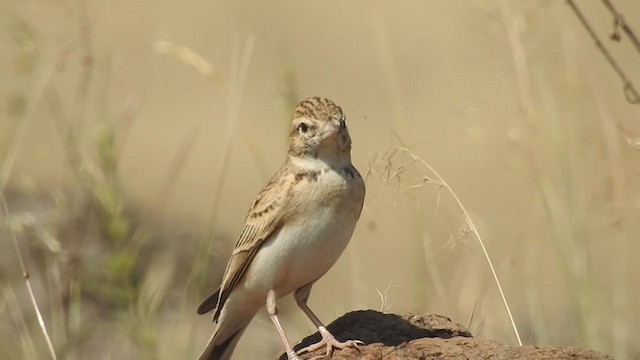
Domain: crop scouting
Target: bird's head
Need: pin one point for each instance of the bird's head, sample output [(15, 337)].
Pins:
[(319, 131)]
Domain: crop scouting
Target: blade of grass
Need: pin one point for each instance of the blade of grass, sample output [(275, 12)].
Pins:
[(475, 231), (25, 275)]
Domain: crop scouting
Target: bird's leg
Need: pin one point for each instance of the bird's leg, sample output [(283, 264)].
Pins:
[(272, 309), (328, 340)]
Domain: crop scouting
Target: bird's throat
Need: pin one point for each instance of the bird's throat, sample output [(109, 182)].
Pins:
[(324, 159)]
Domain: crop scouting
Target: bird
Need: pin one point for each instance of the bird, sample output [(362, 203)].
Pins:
[(296, 229)]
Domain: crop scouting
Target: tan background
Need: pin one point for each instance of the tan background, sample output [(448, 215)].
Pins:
[(508, 100)]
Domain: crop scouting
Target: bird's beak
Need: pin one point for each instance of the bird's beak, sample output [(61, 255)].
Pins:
[(331, 130)]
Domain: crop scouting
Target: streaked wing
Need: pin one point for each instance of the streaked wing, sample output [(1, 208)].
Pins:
[(264, 218)]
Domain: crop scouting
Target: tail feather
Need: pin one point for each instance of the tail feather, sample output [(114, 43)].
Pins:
[(222, 351), (229, 328), (209, 303)]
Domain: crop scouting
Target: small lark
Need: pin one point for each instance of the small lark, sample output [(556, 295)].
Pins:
[(295, 231)]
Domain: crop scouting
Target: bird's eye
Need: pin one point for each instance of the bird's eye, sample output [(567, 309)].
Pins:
[(303, 127)]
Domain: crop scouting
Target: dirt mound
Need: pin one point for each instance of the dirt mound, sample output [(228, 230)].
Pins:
[(430, 336)]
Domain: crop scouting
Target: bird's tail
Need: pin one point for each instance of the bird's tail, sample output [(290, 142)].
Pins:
[(225, 338)]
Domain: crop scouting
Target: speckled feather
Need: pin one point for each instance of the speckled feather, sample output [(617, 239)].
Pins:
[(318, 108), (290, 196), (265, 215)]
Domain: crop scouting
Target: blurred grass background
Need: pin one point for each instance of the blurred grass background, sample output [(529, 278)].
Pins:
[(134, 136)]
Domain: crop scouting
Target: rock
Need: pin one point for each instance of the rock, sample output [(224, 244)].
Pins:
[(430, 336)]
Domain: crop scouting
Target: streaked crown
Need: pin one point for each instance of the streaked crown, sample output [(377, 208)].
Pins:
[(319, 108)]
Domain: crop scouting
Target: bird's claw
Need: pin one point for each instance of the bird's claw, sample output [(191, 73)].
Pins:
[(329, 342)]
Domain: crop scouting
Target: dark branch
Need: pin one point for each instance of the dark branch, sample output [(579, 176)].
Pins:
[(629, 90)]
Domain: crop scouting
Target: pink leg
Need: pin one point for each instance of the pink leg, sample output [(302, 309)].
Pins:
[(272, 309), (328, 340)]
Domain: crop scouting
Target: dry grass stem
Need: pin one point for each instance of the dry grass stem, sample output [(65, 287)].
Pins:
[(472, 227), (384, 298), (25, 275), (193, 59)]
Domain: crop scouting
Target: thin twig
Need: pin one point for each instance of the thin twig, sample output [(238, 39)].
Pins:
[(620, 23), (25, 275), (630, 91)]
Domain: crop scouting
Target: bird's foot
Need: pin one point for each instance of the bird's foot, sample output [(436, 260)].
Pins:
[(329, 342)]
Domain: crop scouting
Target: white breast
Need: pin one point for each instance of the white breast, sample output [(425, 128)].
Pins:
[(305, 249)]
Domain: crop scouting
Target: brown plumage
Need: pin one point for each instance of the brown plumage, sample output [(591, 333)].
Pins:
[(294, 231)]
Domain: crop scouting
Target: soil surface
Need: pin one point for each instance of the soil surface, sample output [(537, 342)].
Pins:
[(430, 336)]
